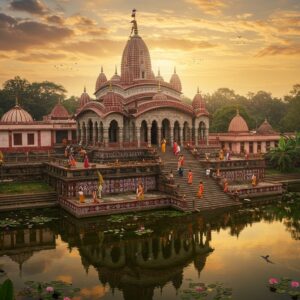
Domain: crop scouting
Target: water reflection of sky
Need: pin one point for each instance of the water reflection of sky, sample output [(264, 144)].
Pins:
[(235, 261)]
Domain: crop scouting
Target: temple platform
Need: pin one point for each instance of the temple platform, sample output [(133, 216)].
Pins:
[(115, 204), (263, 189)]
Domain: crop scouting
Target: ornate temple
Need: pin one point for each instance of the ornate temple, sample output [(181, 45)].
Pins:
[(138, 108)]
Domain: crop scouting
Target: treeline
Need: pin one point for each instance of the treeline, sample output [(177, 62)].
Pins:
[(38, 98)]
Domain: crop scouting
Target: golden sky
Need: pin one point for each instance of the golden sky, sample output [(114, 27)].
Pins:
[(246, 45)]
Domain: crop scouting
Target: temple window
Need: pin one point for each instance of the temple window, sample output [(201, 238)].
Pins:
[(250, 147), (143, 74), (18, 139), (30, 138)]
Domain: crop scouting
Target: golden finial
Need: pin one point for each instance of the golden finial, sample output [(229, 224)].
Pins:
[(175, 70), (101, 69), (84, 89), (116, 73), (110, 86), (158, 85), (17, 100), (198, 92), (237, 111)]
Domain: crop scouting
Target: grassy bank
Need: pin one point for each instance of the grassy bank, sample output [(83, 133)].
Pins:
[(24, 188), (271, 171)]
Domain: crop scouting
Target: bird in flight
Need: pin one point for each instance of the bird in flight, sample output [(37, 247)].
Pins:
[(266, 258)]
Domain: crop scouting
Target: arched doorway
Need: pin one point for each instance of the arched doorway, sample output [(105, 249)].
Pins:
[(144, 133), (154, 133), (90, 132), (176, 133), (201, 131), (113, 132), (165, 130), (186, 132)]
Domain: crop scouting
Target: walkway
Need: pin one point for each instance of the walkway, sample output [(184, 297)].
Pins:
[(213, 195)]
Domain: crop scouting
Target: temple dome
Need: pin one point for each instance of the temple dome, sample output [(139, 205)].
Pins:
[(198, 103), (238, 124), (17, 115), (112, 101), (175, 81), (265, 128), (116, 77), (136, 62), (159, 77), (100, 80), (84, 98), (59, 112)]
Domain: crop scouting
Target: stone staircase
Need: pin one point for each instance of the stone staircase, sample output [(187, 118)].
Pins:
[(213, 196), (24, 201)]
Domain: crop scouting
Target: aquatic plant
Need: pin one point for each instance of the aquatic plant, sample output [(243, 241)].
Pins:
[(48, 290), (285, 286), (37, 220), (7, 290), (201, 291)]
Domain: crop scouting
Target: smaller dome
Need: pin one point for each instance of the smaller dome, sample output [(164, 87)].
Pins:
[(175, 81), (84, 98), (198, 103), (159, 77), (17, 115), (112, 101), (100, 80), (59, 112), (116, 77), (238, 124), (265, 128)]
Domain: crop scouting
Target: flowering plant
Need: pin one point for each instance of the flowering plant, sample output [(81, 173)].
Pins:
[(285, 286)]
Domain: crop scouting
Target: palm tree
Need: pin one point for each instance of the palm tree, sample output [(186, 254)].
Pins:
[(285, 156)]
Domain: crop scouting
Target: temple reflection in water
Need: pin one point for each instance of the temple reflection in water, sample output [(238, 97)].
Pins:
[(137, 265)]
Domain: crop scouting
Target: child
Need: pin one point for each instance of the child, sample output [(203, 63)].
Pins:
[(190, 177), (200, 190), (86, 163)]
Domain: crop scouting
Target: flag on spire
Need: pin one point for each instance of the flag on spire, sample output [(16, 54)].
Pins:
[(133, 13)]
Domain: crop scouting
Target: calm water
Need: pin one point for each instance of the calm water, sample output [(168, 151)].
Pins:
[(123, 265)]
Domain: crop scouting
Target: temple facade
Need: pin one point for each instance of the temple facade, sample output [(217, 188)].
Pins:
[(138, 108), (20, 133), (239, 139)]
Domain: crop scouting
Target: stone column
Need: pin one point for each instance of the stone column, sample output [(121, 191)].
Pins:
[(149, 135), (238, 147), (246, 147), (87, 135), (138, 136), (105, 136), (206, 136), (272, 144), (121, 136), (171, 135), (196, 137), (158, 135), (99, 133), (254, 147), (94, 134), (181, 136), (263, 147), (78, 135)]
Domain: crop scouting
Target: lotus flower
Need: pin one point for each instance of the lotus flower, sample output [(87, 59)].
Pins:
[(295, 284), (67, 298), (49, 289), (199, 289), (273, 281)]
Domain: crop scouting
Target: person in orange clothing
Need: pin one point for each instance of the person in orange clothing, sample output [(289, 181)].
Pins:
[(225, 186), (200, 190), (190, 177)]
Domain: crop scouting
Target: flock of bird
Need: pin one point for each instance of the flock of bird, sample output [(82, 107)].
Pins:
[(67, 67)]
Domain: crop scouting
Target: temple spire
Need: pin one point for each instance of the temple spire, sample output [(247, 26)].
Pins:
[(237, 111), (116, 72), (198, 92), (84, 89), (175, 70), (159, 86), (134, 28), (110, 86), (101, 69)]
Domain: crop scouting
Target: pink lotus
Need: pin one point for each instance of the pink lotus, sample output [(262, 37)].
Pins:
[(67, 298), (295, 284), (273, 281), (49, 289), (199, 289)]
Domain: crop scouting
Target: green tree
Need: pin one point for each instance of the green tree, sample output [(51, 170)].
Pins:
[(223, 116), (71, 104)]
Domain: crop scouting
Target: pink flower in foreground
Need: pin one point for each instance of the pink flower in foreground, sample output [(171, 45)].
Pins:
[(49, 289), (295, 284), (67, 298), (199, 289), (273, 281)]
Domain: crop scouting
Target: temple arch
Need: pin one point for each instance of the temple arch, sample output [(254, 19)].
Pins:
[(154, 129), (176, 133), (144, 132), (166, 130), (113, 132), (201, 131)]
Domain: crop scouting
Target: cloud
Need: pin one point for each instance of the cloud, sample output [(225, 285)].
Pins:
[(35, 7), (55, 19), (292, 49), (41, 57), (210, 7), (181, 44), (29, 34), (80, 21)]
